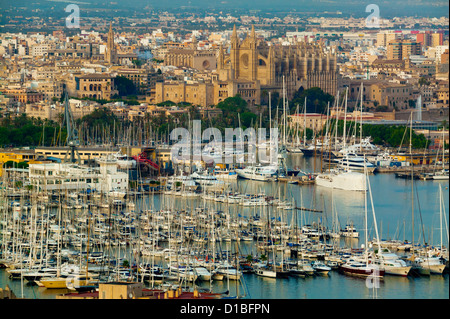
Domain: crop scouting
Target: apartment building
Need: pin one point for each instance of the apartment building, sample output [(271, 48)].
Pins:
[(402, 49)]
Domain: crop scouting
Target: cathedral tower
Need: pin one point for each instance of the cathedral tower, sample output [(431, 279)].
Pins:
[(110, 54)]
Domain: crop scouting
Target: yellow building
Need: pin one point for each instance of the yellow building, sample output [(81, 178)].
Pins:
[(313, 121), (97, 86), (86, 153), (17, 157), (120, 290), (393, 95), (195, 93), (202, 60), (401, 49)]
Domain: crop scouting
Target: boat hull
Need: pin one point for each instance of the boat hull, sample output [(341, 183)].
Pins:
[(397, 271), (266, 273), (351, 181), (363, 272)]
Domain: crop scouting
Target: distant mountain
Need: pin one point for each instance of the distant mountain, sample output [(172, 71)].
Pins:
[(355, 8)]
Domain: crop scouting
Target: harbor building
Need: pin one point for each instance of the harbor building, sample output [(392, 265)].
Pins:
[(74, 177), (86, 154), (17, 156)]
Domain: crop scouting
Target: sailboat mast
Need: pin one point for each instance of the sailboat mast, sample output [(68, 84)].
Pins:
[(412, 184), (304, 124), (360, 125), (440, 211), (365, 215), (345, 118), (284, 113)]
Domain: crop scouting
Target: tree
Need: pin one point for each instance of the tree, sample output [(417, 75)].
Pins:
[(423, 81), (382, 108), (101, 117), (138, 62), (233, 106), (316, 100), (27, 131), (125, 86), (166, 103)]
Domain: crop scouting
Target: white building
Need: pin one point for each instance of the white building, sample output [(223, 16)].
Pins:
[(75, 177), (39, 49), (440, 49)]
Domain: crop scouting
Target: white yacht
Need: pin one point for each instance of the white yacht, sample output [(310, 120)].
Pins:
[(208, 181), (258, 173), (349, 231), (124, 161), (320, 268), (354, 162), (115, 193), (441, 175), (430, 265), (183, 181), (264, 270), (392, 264), (225, 175), (340, 179), (229, 272), (183, 271), (364, 147), (202, 273)]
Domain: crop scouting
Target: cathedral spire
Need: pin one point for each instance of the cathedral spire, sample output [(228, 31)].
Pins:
[(234, 39), (194, 42), (253, 34), (234, 34)]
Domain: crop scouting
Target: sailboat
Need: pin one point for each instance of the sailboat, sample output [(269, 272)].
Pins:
[(362, 266), (422, 265), (264, 270), (295, 148), (443, 173)]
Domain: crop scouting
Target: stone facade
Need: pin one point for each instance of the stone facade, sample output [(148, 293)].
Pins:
[(202, 60), (97, 86), (300, 65), (253, 66), (195, 93)]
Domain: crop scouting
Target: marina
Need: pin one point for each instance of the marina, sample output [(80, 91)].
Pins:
[(258, 239)]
